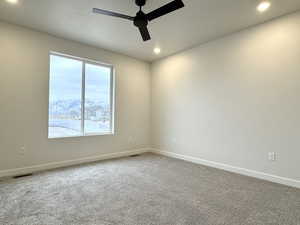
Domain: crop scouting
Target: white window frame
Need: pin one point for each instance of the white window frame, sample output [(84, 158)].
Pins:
[(112, 95)]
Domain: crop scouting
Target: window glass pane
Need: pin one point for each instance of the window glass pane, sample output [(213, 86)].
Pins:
[(97, 99), (65, 97)]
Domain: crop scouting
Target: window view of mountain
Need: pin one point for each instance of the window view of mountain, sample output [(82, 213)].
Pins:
[(66, 103)]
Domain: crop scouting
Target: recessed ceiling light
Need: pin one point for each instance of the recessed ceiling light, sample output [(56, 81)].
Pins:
[(156, 51), (12, 1), (263, 6)]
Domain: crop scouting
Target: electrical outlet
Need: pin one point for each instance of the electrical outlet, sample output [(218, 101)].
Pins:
[(22, 150), (272, 156), (174, 141), (131, 140)]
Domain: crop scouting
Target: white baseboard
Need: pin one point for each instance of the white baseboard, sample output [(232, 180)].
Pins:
[(54, 165), (243, 171)]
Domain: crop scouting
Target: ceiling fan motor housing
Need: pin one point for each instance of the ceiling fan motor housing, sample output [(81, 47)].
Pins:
[(140, 20)]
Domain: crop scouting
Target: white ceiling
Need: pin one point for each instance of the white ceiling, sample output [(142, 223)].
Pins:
[(198, 22)]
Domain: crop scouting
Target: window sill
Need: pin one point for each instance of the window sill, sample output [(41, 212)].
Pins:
[(84, 135)]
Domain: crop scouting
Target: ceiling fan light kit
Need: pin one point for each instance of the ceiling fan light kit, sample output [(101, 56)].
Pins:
[(142, 19)]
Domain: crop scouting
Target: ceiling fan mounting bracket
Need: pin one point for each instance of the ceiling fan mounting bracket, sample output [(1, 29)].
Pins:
[(140, 3)]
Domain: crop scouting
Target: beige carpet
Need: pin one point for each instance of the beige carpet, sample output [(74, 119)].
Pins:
[(146, 190)]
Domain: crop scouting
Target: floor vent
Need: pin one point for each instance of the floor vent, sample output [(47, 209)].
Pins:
[(133, 156), (21, 176)]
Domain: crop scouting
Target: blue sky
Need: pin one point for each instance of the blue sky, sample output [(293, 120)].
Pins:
[(66, 79)]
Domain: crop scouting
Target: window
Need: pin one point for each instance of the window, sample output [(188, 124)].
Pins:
[(80, 97)]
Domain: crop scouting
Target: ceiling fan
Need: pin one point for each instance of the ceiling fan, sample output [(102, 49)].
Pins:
[(141, 19)]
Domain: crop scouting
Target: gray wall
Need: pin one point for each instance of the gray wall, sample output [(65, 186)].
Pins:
[(24, 101), (234, 100)]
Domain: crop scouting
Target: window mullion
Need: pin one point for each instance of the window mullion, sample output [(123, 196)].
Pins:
[(112, 100), (83, 99)]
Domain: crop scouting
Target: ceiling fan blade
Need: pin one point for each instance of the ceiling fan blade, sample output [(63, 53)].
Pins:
[(170, 7), (109, 13), (145, 33)]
